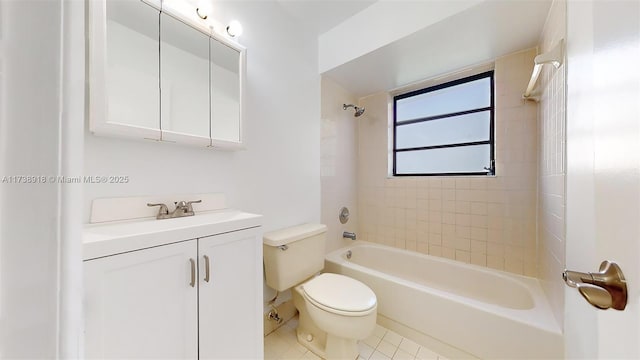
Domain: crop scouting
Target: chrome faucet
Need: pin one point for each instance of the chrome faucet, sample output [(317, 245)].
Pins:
[(183, 208), (349, 235)]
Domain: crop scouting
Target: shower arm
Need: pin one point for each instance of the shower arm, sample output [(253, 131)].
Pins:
[(359, 110)]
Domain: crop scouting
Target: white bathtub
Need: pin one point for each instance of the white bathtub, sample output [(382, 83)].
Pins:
[(487, 313)]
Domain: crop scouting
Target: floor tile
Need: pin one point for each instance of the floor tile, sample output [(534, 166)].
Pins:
[(377, 355), (372, 341), (276, 345), (409, 346), (403, 355), (292, 354), (392, 337), (379, 331), (269, 354), (383, 344), (426, 354), (287, 334), (387, 348), (365, 350)]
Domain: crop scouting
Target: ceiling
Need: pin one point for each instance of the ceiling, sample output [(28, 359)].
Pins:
[(320, 16), (477, 35)]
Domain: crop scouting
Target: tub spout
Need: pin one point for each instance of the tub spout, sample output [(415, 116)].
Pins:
[(349, 235)]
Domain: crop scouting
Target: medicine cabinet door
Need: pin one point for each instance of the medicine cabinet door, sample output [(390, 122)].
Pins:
[(184, 82), (227, 65), (124, 71)]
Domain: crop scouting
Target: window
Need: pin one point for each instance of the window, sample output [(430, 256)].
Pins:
[(445, 129)]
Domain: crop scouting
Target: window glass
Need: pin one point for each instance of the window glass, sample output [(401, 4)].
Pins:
[(450, 160), (446, 129), (458, 129), (457, 98)]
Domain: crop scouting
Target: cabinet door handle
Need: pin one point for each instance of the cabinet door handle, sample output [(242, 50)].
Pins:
[(206, 269), (193, 273)]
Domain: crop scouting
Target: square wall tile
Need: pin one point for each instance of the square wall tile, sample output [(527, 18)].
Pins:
[(471, 219)]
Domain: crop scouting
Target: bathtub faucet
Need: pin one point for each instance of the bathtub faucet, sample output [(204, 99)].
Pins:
[(349, 235)]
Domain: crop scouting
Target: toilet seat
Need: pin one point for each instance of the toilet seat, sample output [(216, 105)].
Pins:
[(340, 294)]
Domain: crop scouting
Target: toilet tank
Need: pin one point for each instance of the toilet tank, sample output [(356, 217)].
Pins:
[(293, 254)]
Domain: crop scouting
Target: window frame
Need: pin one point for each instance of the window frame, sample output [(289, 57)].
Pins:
[(491, 142)]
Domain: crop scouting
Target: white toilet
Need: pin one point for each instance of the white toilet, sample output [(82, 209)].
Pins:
[(335, 310)]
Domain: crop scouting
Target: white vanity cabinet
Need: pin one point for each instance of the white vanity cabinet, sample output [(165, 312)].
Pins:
[(140, 304), (199, 298), (229, 317)]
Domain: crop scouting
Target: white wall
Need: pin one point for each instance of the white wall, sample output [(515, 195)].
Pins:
[(279, 173), (29, 130), (339, 155), (551, 164), (41, 100)]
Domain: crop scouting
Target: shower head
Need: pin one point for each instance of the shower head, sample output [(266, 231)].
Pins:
[(359, 110)]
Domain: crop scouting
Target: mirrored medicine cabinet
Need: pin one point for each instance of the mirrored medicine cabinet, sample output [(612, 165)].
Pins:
[(158, 75)]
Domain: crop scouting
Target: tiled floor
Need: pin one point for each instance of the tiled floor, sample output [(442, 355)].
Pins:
[(382, 345)]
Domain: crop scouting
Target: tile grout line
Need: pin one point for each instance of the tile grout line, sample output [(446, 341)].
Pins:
[(286, 341)]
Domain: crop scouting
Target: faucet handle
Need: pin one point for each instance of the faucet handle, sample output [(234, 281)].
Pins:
[(163, 211), (188, 204)]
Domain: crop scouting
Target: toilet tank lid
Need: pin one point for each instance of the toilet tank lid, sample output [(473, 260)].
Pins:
[(291, 234)]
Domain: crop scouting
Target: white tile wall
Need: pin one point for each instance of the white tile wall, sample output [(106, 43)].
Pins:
[(487, 221), (338, 157), (551, 173)]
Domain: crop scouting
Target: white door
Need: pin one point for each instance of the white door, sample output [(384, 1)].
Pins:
[(143, 304), (603, 170), (231, 296)]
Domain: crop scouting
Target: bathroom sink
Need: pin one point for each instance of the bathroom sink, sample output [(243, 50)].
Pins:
[(117, 237)]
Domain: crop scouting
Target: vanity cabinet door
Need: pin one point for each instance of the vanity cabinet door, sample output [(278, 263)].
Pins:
[(124, 71), (142, 304), (227, 65), (231, 296), (184, 80)]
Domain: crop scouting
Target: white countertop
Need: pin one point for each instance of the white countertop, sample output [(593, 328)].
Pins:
[(106, 239)]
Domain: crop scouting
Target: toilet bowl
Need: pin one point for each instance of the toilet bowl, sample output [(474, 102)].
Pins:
[(335, 312)]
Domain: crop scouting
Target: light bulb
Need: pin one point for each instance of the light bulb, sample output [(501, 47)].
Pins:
[(234, 28)]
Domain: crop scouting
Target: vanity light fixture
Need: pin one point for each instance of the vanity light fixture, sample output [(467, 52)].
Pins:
[(203, 11), (201, 14), (234, 28)]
